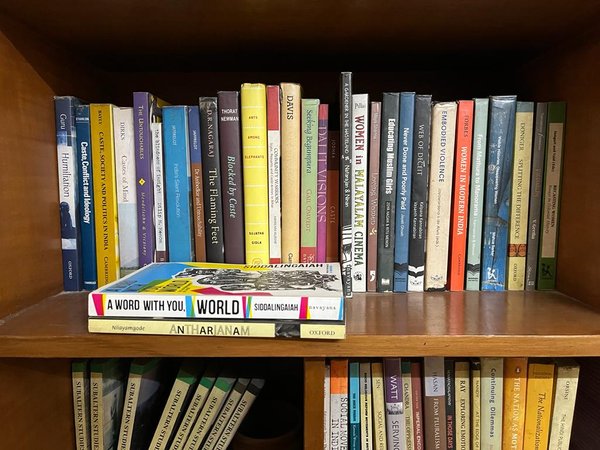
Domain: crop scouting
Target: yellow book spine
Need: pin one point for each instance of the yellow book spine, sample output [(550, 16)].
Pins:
[(517, 248), (105, 193), (462, 414), (538, 409), (290, 166), (378, 406), (255, 171), (515, 391)]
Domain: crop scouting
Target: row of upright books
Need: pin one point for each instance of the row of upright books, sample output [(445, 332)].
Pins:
[(438, 403), (159, 404)]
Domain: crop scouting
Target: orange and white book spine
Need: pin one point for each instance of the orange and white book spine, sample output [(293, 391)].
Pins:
[(515, 391), (339, 405)]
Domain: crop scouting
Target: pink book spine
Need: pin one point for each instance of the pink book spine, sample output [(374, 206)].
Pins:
[(322, 184)]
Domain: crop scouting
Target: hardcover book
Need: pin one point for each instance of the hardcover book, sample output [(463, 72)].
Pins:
[(420, 181), (462, 415), (538, 409), (403, 190), (373, 196), (354, 406), (339, 404), (379, 429), (231, 176), (435, 407), (308, 181), (366, 407), (219, 291), (160, 204), (70, 232), (322, 171), (346, 180), (491, 402), (515, 391), (565, 393), (497, 192), (197, 178), (274, 153), (394, 407), (80, 379), (333, 196)]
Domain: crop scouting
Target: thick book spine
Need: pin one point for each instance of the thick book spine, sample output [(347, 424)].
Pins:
[(255, 172), (460, 201), (394, 407), (517, 228), (327, 408), (339, 404), (478, 170), (462, 389), (231, 176), (86, 198), (274, 152), (346, 180), (565, 393), (360, 135), (515, 388), (126, 197), (354, 405), (408, 402), (379, 430), (160, 204), (323, 139), (178, 183), (105, 195), (373, 195), (387, 190), (538, 409), (435, 408), (197, 185), (68, 192), (291, 113), (333, 196), (476, 404), (420, 181), (366, 407), (557, 114), (535, 194), (497, 192), (417, 405), (403, 190), (450, 403), (443, 127), (491, 402), (211, 174), (308, 181)]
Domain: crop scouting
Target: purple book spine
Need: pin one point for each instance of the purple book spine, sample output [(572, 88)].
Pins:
[(394, 408), (322, 184)]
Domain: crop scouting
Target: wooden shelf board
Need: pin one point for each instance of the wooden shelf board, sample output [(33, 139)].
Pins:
[(444, 324)]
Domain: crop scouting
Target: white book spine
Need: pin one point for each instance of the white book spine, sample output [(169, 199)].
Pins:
[(160, 223), (327, 408), (274, 155), (567, 378)]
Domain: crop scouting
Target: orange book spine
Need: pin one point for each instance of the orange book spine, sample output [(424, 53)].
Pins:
[(460, 200), (515, 392)]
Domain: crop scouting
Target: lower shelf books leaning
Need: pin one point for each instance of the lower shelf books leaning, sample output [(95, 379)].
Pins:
[(152, 403), (449, 403)]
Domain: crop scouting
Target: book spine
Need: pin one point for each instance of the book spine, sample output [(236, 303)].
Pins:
[(322, 183), (160, 207), (178, 183), (373, 195), (517, 247), (126, 198), (498, 192), (255, 172), (476, 404), (339, 404), (346, 180), (231, 176), (515, 388), (478, 170), (450, 403), (538, 409), (403, 188), (407, 395), (360, 134), (387, 190), (420, 181), (394, 407), (379, 436), (171, 411), (327, 409), (491, 402), (435, 408), (197, 185), (274, 152), (291, 113), (417, 405), (565, 393), (105, 195), (96, 428), (443, 127), (66, 143), (546, 277), (462, 388), (308, 181), (354, 439), (366, 407), (86, 198), (132, 393), (535, 195), (80, 377), (211, 175), (333, 196), (460, 202)]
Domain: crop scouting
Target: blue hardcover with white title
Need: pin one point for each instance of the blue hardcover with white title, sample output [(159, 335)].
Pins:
[(86, 198), (354, 409), (178, 183), (403, 190), (498, 188)]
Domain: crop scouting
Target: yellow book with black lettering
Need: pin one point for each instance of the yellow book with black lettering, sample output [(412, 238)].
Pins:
[(515, 390), (538, 409), (255, 172), (105, 193)]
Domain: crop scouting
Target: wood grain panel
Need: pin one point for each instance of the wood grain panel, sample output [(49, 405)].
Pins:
[(314, 376)]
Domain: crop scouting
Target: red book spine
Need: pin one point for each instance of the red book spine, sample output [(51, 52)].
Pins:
[(274, 154), (373, 191), (333, 197), (415, 377), (460, 201)]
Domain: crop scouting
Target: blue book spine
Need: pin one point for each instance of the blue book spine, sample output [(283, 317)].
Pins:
[(403, 191), (497, 192), (354, 411), (66, 143), (86, 198), (178, 183)]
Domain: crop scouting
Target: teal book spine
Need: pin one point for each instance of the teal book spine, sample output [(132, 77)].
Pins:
[(354, 411)]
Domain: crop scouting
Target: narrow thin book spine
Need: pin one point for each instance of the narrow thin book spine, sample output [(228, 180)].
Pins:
[(274, 153), (450, 404), (408, 403), (491, 402), (308, 181), (160, 207), (379, 429), (333, 196), (354, 405), (322, 183), (515, 392), (394, 407), (327, 408), (197, 185), (476, 404), (366, 407), (373, 195), (346, 180)]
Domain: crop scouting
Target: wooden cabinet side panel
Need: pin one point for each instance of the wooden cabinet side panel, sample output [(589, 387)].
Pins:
[(314, 376)]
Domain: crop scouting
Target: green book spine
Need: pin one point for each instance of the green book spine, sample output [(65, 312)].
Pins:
[(308, 182)]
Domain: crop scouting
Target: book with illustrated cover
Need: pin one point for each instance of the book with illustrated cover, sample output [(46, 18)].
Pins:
[(224, 291), (354, 405), (394, 407), (274, 153), (160, 208), (373, 195), (80, 379), (565, 393), (333, 196), (346, 180), (339, 404), (308, 181), (322, 175), (197, 179)]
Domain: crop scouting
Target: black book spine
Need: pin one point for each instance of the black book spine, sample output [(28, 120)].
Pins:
[(346, 180), (388, 167), (211, 172), (420, 179), (450, 400)]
